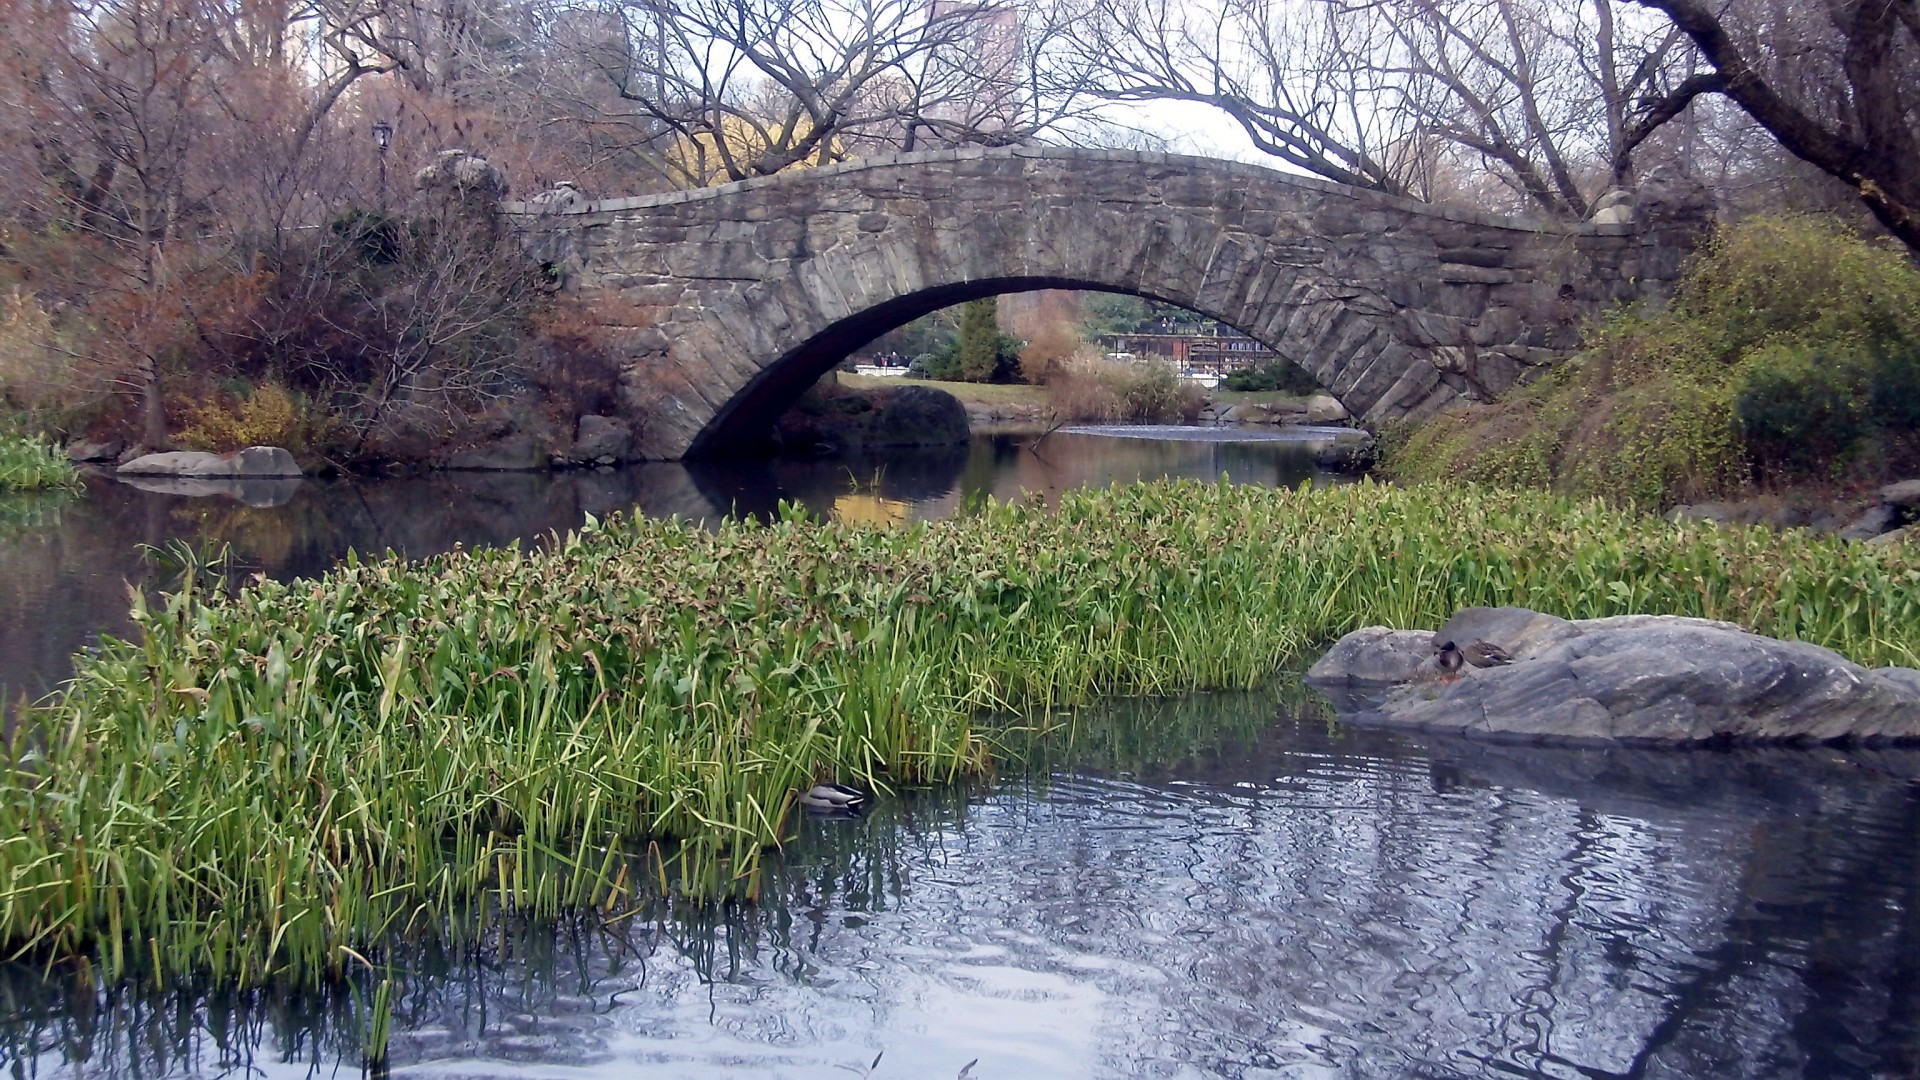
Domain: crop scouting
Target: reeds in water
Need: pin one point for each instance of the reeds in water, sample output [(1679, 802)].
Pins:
[(275, 782), (32, 464)]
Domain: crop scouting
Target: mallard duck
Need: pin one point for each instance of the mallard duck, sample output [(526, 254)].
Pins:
[(1486, 654), (832, 799), (1447, 658)]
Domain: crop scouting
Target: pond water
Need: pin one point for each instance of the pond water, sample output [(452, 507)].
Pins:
[(65, 563), (1221, 885), (1224, 885)]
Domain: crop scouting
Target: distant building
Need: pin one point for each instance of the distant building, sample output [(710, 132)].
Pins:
[(1212, 352)]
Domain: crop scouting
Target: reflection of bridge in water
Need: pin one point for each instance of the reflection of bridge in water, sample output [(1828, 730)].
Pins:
[(724, 303)]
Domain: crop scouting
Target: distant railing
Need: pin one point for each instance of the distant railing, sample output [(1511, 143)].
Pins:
[(1213, 354)]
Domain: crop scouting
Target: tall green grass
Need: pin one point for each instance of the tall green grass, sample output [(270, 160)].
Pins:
[(273, 783), (31, 464)]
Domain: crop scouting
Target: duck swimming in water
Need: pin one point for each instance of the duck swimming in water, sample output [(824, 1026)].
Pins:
[(832, 799)]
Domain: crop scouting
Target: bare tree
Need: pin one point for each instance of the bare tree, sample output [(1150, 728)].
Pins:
[(118, 97), (1837, 82), (709, 90), (1302, 80), (1551, 96)]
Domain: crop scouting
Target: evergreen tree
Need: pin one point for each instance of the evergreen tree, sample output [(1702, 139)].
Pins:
[(979, 340)]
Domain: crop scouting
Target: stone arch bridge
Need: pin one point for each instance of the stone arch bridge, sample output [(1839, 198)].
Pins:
[(725, 303)]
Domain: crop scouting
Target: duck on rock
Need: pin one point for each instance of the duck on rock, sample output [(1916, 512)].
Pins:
[(1449, 657)]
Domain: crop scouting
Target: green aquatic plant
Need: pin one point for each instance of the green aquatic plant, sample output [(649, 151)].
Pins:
[(32, 464), (280, 781)]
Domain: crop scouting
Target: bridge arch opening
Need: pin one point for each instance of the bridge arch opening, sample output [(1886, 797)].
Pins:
[(745, 423)]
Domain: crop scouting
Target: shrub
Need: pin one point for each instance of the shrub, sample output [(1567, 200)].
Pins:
[(1050, 351), (1093, 389), (37, 378), (263, 416), (1801, 278), (1802, 408), (1273, 375)]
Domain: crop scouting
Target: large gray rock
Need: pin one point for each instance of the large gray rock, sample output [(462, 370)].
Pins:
[(603, 437), (1637, 678), (254, 461), (515, 453), (1879, 518), (1325, 409), (1905, 494), (1348, 455)]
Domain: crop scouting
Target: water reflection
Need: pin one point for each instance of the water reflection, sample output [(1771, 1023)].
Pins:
[(1296, 898), (65, 563)]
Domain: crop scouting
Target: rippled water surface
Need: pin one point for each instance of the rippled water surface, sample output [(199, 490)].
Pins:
[(1208, 887)]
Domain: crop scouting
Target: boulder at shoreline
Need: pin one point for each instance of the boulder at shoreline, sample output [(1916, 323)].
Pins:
[(254, 461), (1651, 679)]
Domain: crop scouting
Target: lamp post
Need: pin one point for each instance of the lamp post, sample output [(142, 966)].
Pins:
[(383, 138)]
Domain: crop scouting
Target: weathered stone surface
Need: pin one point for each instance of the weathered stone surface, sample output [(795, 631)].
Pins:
[(728, 302), (254, 461), (1348, 455), (517, 452), (603, 436), (1879, 518), (465, 174), (1521, 631), (1897, 536), (1325, 409), (82, 450), (1256, 412), (1373, 655), (1639, 678), (1906, 494)]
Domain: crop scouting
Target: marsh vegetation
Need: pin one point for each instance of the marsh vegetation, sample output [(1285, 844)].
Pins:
[(280, 781), (32, 464)]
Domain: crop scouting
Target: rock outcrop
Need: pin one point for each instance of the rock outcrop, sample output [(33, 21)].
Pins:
[(83, 450), (1633, 678), (253, 462), (514, 452)]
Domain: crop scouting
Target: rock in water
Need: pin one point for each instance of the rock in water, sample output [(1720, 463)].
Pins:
[(1634, 678), (254, 461)]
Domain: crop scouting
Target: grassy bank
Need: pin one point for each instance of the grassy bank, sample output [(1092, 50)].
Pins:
[(276, 782), (986, 395), (1790, 357), (31, 464)]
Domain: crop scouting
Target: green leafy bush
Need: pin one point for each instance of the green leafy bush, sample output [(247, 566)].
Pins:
[(1274, 375), (1802, 408), (1791, 348)]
